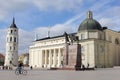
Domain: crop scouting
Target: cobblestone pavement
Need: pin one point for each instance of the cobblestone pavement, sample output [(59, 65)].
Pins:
[(98, 74)]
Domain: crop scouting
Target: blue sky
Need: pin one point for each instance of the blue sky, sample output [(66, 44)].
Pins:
[(38, 16)]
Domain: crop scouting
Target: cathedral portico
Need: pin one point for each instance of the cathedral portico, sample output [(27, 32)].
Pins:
[(49, 58)]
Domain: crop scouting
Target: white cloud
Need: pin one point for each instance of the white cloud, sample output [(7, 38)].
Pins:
[(55, 30), (110, 23), (58, 5), (12, 6), (110, 18), (59, 29), (8, 7)]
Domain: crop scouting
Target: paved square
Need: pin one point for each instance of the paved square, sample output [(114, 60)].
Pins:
[(99, 74)]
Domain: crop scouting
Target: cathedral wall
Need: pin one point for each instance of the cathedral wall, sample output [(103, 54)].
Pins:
[(87, 51), (114, 40)]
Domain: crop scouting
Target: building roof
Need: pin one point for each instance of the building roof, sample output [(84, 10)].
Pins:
[(46, 38), (13, 25), (49, 38), (89, 23)]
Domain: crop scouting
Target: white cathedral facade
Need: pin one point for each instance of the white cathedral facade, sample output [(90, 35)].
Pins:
[(100, 47), (11, 57)]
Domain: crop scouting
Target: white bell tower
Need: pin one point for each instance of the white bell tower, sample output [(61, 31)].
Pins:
[(11, 56)]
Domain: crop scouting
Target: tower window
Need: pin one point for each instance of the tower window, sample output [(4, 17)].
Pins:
[(10, 47), (14, 48), (10, 39), (15, 39), (11, 31)]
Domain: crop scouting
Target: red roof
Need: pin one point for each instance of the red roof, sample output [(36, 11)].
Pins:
[(1, 55)]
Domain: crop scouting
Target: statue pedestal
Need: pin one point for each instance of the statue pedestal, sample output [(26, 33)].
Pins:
[(72, 57)]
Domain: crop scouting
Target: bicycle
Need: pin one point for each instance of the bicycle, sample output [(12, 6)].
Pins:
[(23, 72)]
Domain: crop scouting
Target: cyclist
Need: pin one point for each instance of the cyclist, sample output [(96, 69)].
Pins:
[(20, 67)]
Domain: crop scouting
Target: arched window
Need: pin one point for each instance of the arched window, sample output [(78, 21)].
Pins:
[(10, 39), (11, 31), (10, 47), (116, 41), (14, 39), (14, 48)]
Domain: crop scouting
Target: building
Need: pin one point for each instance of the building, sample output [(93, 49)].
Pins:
[(100, 47), (2, 58), (24, 58), (12, 45)]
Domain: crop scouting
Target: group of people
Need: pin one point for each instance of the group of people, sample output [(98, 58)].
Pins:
[(5, 67)]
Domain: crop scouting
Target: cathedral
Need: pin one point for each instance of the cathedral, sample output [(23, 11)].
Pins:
[(92, 45)]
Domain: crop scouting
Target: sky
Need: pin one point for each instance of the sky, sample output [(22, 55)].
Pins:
[(57, 16)]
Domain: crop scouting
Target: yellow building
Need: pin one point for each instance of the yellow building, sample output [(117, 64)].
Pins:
[(24, 58)]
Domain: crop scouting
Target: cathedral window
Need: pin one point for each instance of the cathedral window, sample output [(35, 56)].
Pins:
[(82, 36), (116, 41)]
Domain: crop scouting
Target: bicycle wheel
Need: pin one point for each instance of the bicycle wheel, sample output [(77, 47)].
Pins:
[(24, 72), (17, 72)]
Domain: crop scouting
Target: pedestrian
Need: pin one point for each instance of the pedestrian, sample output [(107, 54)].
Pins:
[(31, 67), (20, 65)]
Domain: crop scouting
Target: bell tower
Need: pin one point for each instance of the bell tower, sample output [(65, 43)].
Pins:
[(11, 56)]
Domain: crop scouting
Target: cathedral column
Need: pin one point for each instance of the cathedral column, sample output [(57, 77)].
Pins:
[(50, 58), (54, 58), (59, 58), (45, 58)]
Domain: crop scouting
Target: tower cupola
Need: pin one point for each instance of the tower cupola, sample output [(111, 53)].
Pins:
[(13, 25)]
